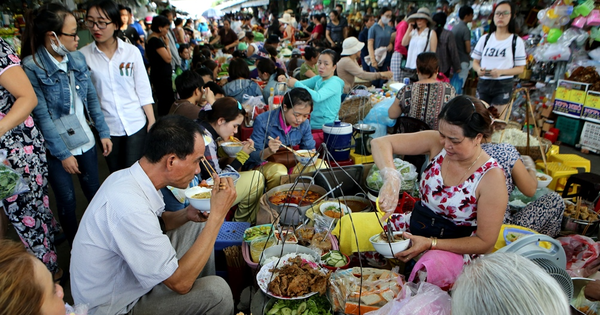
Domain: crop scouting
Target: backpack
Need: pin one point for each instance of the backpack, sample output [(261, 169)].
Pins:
[(514, 45)]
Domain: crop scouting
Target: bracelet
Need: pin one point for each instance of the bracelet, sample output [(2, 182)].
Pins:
[(433, 243)]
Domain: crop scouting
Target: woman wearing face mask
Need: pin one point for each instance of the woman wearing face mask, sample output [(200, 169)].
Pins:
[(268, 72), (220, 121), (325, 90), (54, 66), (122, 85), (419, 38), (381, 43), (498, 57)]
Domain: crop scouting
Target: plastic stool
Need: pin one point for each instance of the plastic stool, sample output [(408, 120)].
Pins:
[(589, 186), (230, 234), (571, 160), (559, 173)]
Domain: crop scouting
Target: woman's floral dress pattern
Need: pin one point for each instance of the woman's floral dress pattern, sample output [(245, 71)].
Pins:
[(543, 215), (28, 212)]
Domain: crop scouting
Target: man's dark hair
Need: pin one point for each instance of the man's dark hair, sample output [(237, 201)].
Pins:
[(464, 11), (339, 6), (214, 87), (187, 82), (159, 21), (165, 12), (172, 134), (202, 71), (182, 47), (238, 68)]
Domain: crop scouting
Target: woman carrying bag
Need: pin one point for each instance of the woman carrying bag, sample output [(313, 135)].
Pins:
[(66, 100), (419, 38)]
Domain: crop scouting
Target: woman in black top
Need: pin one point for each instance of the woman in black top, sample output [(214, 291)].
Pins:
[(159, 56)]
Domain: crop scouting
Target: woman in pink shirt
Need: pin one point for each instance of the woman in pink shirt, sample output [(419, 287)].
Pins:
[(399, 50)]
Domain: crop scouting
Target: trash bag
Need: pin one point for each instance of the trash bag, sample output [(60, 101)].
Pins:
[(378, 117)]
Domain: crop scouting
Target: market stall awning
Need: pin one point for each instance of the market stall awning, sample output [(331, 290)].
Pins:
[(255, 3), (230, 5)]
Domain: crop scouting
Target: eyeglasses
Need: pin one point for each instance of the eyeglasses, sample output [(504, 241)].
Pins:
[(74, 35), (501, 14), (100, 24)]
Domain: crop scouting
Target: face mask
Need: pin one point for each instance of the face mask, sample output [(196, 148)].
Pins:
[(60, 49), (385, 20)]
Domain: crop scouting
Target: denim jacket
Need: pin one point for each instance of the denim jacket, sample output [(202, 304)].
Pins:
[(300, 136), (52, 89)]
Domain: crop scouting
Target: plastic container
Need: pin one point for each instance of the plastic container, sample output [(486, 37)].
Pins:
[(579, 22), (570, 129), (594, 18), (585, 8), (338, 138), (231, 234), (257, 246), (590, 136)]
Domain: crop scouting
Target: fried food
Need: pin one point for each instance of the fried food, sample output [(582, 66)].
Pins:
[(319, 241), (294, 197), (298, 278)]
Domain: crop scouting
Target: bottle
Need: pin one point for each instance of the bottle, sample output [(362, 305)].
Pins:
[(270, 101)]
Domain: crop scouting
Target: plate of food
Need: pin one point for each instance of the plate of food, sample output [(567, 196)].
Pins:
[(293, 278), (258, 231)]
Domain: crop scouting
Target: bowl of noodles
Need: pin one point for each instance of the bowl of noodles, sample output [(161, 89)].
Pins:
[(232, 147), (305, 157), (199, 197)]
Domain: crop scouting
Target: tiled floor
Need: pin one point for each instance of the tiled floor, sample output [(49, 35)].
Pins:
[(64, 250)]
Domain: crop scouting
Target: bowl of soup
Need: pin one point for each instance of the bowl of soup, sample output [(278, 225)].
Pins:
[(388, 248), (199, 197), (305, 157), (232, 147)]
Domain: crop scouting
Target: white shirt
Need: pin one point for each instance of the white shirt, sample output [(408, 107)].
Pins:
[(418, 44), (120, 253), (498, 54), (78, 110), (122, 85)]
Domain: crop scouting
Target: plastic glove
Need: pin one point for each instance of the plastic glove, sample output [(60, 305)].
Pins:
[(389, 192), (529, 164)]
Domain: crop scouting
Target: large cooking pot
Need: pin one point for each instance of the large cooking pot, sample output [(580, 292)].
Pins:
[(299, 186)]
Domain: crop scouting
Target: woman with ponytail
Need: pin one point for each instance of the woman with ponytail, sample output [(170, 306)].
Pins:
[(66, 97), (220, 121)]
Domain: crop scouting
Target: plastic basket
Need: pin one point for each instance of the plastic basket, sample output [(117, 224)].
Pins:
[(590, 136), (570, 129), (406, 204), (230, 234)]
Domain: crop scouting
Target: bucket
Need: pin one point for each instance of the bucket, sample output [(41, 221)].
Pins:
[(338, 137)]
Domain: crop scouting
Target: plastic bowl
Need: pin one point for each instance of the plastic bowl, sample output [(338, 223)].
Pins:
[(340, 205), (384, 247), (231, 148), (234, 176), (200, 204), (543, 180), (305, 160), (336, 268)]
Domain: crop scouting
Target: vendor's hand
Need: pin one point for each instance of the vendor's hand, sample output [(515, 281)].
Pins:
[(223, 195), (248, 146), (196, 215), (282, 78), (529, 165), (592, 290), (274, 145), (70, 165), (387, 74), (418, 244), (494, 73), (209, 96), (106, 146), (389, 192)]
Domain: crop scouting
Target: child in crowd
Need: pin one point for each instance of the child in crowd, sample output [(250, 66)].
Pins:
[(184, 53)]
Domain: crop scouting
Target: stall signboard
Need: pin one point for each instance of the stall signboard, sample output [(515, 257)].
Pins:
[(570, 97), (591, 109)]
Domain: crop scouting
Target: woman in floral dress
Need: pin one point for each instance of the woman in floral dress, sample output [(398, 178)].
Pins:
[(28, 212)]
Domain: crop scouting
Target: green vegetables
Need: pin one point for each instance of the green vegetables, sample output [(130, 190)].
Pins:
[(257, 232), (315, 305), (9, 180), (407, 170), (334, 259)]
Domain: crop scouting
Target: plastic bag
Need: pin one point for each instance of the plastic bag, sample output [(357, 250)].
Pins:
[(584, 305), (406, 169), (254, 106), (11, 182), (457, 83), (581, 252), (79, 309), (418, 299), (378, 117)]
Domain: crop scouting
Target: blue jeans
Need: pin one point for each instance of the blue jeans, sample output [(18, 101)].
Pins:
[(64, 191)]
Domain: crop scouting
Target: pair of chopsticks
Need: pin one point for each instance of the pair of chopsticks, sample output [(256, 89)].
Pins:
[(283, 145), (212, 172)]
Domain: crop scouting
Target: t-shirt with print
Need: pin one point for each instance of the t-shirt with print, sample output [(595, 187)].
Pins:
[(336, 32), (380, 35), (462, 34), (498, 54)]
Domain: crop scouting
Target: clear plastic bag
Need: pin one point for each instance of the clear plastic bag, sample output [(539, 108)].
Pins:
[(254, 106), (584, 305), (79, 309), (418, 299), (11, 182), (406, 169), (379, 118)]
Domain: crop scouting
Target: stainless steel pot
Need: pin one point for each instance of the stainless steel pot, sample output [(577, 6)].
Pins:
[(290, 210)]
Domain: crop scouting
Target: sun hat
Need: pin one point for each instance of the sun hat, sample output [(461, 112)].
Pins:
[(286, 19), (148, 19), (241, 35), (351, 46), (422, 13)]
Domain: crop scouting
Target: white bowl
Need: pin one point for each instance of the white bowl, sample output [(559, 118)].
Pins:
[(305, 160), (234, 176), (384, 247), (339, 205), (543, 180), (231, 148), (281, 250), (200, 204)]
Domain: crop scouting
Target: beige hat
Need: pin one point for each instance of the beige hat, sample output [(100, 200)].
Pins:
[(286, 19), (422, 13), (351, 46)]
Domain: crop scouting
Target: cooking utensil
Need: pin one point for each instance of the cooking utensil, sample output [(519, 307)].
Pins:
[(390, 231)]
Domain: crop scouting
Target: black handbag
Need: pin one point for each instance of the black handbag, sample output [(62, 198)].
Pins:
[(69, 127), (427, 223)]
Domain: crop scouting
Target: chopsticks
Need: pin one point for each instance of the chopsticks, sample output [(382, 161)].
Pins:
[(283, 145), (212, 172), (233, 256)]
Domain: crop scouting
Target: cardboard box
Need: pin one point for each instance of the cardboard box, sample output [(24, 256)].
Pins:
[(547, 111), (546, 126)]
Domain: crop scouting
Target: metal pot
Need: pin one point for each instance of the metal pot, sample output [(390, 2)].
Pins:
[(368, 206), (299, 186), (578, 226)]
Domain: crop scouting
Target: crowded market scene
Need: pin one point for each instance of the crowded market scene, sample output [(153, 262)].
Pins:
[(300, 157)]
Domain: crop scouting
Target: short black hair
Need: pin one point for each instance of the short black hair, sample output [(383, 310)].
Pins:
[(214, 87), (182, 47), (464, 11), (238, 68), (165, 12), (111, 10), (202, 71), (334, 55), (159, 21), (468, 113), (295, 96), (178, 21), (227, 108), (122, 7), (187, 82), (171, 134), (339, 6), (383, 10)]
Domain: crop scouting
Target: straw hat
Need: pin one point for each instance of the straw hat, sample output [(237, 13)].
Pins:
[(241, 35), (286, 19), (351, 46), (422, 13)]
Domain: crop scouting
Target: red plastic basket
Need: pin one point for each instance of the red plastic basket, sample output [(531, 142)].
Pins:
[(406, 203)]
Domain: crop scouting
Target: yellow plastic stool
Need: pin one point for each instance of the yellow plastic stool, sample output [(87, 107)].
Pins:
[(554, 149), (572, 160), (559, 172), (360, 159)]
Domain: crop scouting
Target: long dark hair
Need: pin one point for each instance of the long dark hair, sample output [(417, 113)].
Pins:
[(268, 66), (47, 18), (512, 28), (468, 113), (227, 108), (440, 21), (111, 10)]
